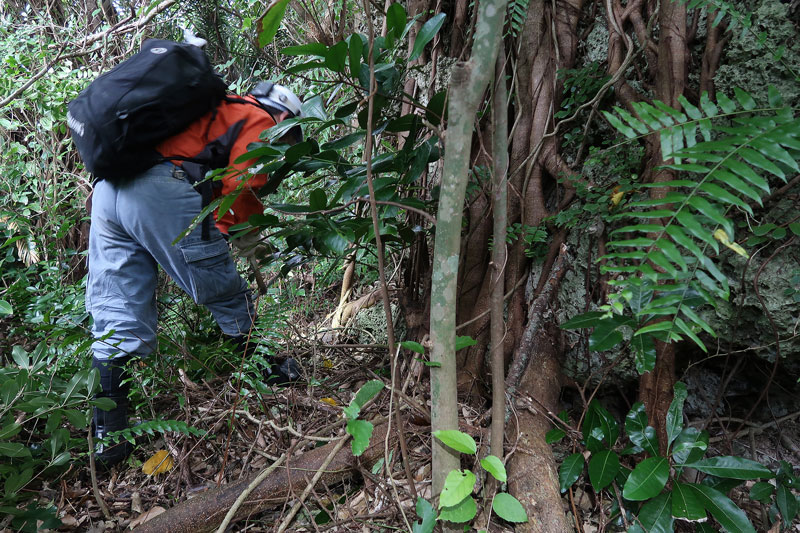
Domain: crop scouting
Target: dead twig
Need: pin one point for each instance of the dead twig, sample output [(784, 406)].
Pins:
[(246, 492)]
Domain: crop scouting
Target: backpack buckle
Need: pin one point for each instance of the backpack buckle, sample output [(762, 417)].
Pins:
[(178, 173)]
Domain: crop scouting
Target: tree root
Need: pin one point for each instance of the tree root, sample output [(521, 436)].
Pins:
[(206, 511), (534, 377)]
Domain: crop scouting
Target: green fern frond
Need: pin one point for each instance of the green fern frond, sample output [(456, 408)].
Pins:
[(151, 427), (726, 153)]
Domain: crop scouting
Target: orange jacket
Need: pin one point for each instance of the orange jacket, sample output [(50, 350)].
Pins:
[(226, 132)]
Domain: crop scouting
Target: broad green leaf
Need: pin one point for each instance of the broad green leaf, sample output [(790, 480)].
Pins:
[(605, 336), (361, 431), (690, 445), (308, 49), (21, 357), (16, 480), (786, 502), (427, 512), (10, 430), (426, 34), (464, 341), (733, 467), (104, 404), (317, 200), (493, 465), (603, 468), (655, 516), (459, 441), (463, 511), (554, 435), (639, 432), (336, 57), (685, 504), (354, 55), (457, 486), (508, 508), (724, 511), (6, 308), (14, 449), (675, 412), (396, 20), (644, 352), (413, 346), (368, 391), (762, 492), (271, 22), (8, 392), (647, 479), (570, 470)]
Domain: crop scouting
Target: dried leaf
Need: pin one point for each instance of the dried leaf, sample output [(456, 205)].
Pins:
[(152, 513), (330, 401), (160, 462)]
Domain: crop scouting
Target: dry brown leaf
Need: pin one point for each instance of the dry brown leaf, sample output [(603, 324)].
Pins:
[(152, 513), (160, 462)]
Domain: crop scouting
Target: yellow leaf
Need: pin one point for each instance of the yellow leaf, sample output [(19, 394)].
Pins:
[(158, 464), (722, 237), (329, 401), (617, 196), (327, 363)]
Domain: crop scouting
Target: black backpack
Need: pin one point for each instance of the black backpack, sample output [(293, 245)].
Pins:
[(117, 121)]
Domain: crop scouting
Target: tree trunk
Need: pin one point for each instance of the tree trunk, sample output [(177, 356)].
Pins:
[(469, 82), (535, 378)]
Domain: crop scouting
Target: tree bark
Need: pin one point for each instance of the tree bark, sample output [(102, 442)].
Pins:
[(469, 82), (534, 379)]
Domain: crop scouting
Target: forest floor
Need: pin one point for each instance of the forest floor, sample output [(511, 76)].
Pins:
[(246, 432)]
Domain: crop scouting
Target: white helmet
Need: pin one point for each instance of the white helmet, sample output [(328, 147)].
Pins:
[(277, 96)]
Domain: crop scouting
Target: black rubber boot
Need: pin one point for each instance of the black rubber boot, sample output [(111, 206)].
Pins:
[(112, 374), (280, 373)]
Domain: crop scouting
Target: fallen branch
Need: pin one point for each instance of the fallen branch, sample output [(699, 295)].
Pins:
[(205, 512)]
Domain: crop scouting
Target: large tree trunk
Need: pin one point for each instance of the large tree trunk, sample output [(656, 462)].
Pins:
[(535, 378), (655, 387)]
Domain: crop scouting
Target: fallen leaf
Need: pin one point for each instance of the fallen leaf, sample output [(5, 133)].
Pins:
[(329, 401), (616, 196), (160, 462), (327, 363), (136, 503), (141, 519)]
